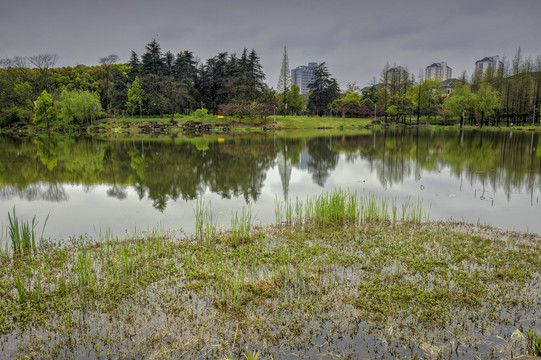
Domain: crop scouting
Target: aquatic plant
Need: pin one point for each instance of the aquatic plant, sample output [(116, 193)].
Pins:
[(205, 227), (23, 234), (241, 226), (534, 343)]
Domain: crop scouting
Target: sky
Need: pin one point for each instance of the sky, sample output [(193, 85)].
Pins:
[(356, 38)]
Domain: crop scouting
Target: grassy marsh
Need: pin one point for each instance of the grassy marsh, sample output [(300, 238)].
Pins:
[(339, 275)]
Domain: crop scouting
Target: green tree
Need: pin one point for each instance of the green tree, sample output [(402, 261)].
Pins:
[(392, 111), (459, 103), (324, 90), (79, 106), (350, 101), (425, 97), (119, 93), (152, 60), (135, 96), (485, 102), (105, 79), (44, 110), (294, 99), (135, 66)]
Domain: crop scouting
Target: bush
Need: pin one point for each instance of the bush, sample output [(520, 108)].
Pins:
[(200, 113)]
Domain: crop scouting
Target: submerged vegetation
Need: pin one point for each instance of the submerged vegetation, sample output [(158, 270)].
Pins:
[(340, 274)]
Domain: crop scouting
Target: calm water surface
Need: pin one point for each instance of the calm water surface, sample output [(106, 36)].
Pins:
[(88, 185)]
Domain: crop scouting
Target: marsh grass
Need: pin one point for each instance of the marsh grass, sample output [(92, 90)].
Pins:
[(534, 342), (363, 277), (205, 226), (340, 207), (23, 233), (241, 226)]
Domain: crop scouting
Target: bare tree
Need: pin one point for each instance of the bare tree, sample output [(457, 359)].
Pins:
[(106, 79), (43, 62), (109, 60), (5, 63)]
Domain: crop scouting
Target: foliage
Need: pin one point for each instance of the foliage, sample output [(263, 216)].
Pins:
[(135, 95), (486, 102), (200, 113), (250, 110), (324, 90), (426, 97), (23, 234), (45, 113), (294, 100), (460, 101), (349, 103), (79, 106)]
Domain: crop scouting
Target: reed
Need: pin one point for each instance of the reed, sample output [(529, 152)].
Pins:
[(343, 207), (205, 226), (241, 226), (19, 285), (23, 234)]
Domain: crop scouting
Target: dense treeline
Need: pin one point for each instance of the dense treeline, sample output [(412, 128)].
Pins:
[(157, 83), (154, 83), (510, 93)]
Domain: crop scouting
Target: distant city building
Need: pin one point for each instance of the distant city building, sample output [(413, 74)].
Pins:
[(303, 76), (448, 86), (490, 63), (397, 80), (438, 71)]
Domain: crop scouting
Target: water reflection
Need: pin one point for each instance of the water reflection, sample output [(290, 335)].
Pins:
[(166, 171)]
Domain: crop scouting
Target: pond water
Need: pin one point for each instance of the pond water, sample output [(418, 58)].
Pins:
[(87, 185)]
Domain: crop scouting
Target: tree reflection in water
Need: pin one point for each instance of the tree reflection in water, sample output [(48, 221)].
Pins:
[(168, 170)]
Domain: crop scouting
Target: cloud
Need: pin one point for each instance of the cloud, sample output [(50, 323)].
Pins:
[(355, 37)]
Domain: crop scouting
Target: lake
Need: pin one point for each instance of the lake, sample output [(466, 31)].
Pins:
[(87, 185)]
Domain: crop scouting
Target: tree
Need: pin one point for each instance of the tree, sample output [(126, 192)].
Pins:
[(43, 62), (485, 102), (79, 106), (152, 61), (284, 81), (294, 99), (425, 97), (135, 95), (44, 110), (459, 102), (255, 69), (119, 95), (212, 82), (105, 81), (350, 102), (135, 67), (324, 90), (163, 94)]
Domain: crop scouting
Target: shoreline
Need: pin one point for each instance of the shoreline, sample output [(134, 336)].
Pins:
[(195, 127)]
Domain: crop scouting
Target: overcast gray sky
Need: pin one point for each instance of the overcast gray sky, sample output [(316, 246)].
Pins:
[(354, 37)]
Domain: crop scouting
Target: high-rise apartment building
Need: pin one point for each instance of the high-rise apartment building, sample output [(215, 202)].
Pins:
[(303, 76), (490, 63), (438, 71)]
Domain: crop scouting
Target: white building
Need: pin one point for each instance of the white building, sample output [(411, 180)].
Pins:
[(438, 71), (490, 63), (303, 76)]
